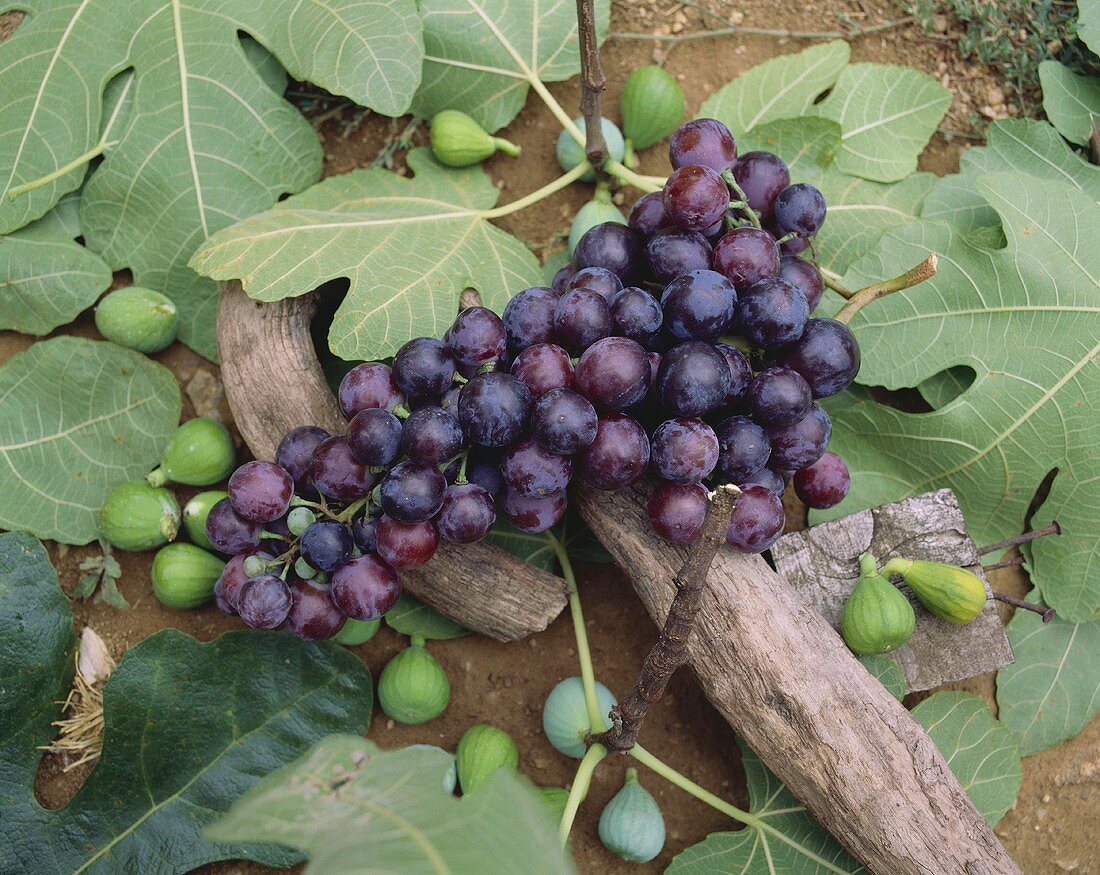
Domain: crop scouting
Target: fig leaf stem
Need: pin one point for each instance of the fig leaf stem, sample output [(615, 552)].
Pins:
[(914, 276)]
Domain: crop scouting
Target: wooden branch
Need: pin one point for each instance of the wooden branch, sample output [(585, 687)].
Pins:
[(786, 683), (593, 83), (274, 382)]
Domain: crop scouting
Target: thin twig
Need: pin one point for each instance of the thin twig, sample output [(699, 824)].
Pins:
[(1008, 563), (1052, 529), (779, 33), (593, 83), (670, 651), (1047, 614)]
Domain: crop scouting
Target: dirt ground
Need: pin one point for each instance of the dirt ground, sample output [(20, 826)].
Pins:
[(1047, 831)]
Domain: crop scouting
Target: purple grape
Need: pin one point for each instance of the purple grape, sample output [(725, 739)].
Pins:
[(406, 545), (824, 483), (695, 197), (477, 337), (803, 275), (761, 176), (468, 513), (772, 314), (600, 280), (264, 601), (796, 446), (533, 471), (581, 317), (365, 588), (483, 469), (564, 421), (227, 588), (613, 373), (740, 373), (296, 451), (684, 450), (827, 356), (636, 314), (779, 396), (337, 473), (677, 511), (532, 514), (672, 252), (529, 318), (757, 520), (618, 455), (283, 538), (365, 386), (374, 437), (768, 478), (364, 531), (703, 141), (326, 545), (790, 245), (543, 368), (494, 409), (743, 448), (260, 491), (313, 614), (431, 435), (230, 533), (424, 368), (800, 208), (699, 305), (412, 492), (449, 401), (746, 256), (693, 379), (648, 215), (561, 278), (610, 245)]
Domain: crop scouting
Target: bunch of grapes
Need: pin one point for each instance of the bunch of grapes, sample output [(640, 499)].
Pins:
[(681, 343)]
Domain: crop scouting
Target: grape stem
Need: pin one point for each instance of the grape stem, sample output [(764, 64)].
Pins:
[(914, 276), (832, 281), (742, 202)]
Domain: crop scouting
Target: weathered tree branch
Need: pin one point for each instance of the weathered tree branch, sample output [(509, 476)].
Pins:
[(593, 84)]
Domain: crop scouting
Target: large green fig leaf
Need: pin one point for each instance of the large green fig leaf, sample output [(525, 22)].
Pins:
[(354, 808), (77, 418), (408, 246), (482, 56), (189, 727), (1088, 24), (1070, 100)]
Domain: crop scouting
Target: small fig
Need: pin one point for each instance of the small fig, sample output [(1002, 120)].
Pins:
[(652, 105), (595, 212), (877, 618), (137, 318), (195, 513), (459, 141), (483, 750), (631, 824), (951, 593), (571, 153), (200, 453), (413, 687), (137, 516), (565, 716), (355, 632), (184, 576)]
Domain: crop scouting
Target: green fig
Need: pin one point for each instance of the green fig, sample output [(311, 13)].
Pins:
[(137, 318), (631, 824), (951, 593), (200, 453), (413, 687), (195, 513), (483, 750), (595, 212), (652, 105), (459, 141), (184, 576), (570, 153), (137, 516), (877, 617)]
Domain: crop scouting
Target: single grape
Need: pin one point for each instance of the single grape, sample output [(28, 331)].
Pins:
[(326, 545), (532, 514), (648, 215), (703, 141), (431, 435), (617, 456), (313, 614), (761, 176), (534, 471), (695, 197), (468, 513), (684, 450), (296, 451), (543, 368), (581, 317), (264, 601), (757, 520), (803, 275), (477, 336), (260, 491), (740, 373), (229, 532), (699, 305), (337, 473), (368, 385), (304, 570), (772, 314), (494, 409), (768, 478), (564, 421), (743, 448), (449, 401), (613, 373), (364, 531), (693, 379), (412, 492), (600, 280), (677, 511), (561, 278), (779, 396), (826, 355), (636, 314), (796, 446), (227, 588), (529, 318), (800, 208), (672, 252), (612, 246), (298, 519), (824, 483), (374, 437), (483, 469), (406, 545), (746, 256), (424, 368), (365, 588)]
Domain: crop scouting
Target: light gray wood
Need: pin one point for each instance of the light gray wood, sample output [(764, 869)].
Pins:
[(821, 563)]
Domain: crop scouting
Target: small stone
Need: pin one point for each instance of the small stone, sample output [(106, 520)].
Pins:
[(994, 96), (939, 23), (1067, 865), (737, 17)]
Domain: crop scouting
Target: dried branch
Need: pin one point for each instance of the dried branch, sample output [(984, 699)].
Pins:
[(1052, 529), (593, 84)]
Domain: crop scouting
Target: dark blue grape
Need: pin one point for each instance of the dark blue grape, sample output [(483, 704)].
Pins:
[(740, 373), (494, 409), (264, 601), (604, 282), (768, 478), (699, 305), (529, 318), (803, 275), (581, 317), (483, 469), (412, 492), (695, 197), (365, 533), (468, 513), (326, 545), (336, 472), (261, 491), (743, 448), (684, 450), (534, 471), (779, 396), (424, 368), (564, 421), (757, 520), (800, 208), (368, 385), (313, 615), (543, 368), (636, 314), (796, 446), (772, 314), (613, 373), (648, 215), (477, 337), (431, 435), (296, 450), (229, 532), (672, 252), (612, 246), (365, 588), (374, 437), (827, 356), (618, 455), (693, 379), (746, 256), (703, 141), (533, 514), (761, 176)]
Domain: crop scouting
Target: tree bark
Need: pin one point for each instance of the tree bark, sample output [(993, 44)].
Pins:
[(786, 683), (274, 382)]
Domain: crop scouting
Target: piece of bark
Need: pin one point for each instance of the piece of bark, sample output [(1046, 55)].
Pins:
[(274, 382), (822, 564), (785, 682)]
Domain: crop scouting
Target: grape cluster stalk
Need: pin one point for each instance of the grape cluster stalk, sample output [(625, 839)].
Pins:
[(681, 343)]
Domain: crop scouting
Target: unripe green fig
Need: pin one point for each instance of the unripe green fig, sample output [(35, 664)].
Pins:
[(355, 632), (595, 212), (137, 318), (565, 717), (195, 513), (459, 141), (483, 750), (951, 593), (877, 618), (652, 105), (413, 687), (571, 153), (137, 516), (631, 824), (184, 576), (554, 799), (200, 453)]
